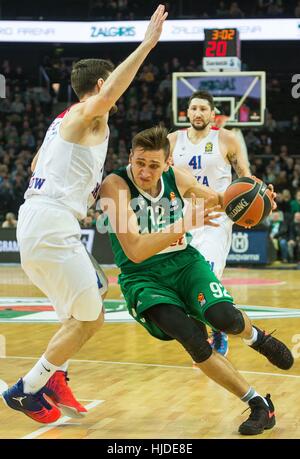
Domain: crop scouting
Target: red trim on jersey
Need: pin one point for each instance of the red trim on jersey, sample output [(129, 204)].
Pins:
[(214, 128), (62, 114)]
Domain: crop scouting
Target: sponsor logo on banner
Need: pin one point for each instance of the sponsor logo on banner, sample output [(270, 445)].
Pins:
[(174, 30), (240, 242), (250, 247), (97, 31)]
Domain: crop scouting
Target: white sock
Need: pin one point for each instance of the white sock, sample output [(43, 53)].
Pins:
[(38, 376), (253, 338), (64, 367), (251, 393)]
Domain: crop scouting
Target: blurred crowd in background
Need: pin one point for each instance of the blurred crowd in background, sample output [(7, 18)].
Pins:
[(141, 9)]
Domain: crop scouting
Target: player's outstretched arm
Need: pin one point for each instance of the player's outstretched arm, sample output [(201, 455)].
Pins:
[(115, 202), (188, 185), (119, 80)]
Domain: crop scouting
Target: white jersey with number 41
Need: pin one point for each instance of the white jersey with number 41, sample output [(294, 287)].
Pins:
[(204, 159)]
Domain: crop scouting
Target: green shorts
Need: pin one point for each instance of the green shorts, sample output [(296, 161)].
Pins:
[(184, 280)]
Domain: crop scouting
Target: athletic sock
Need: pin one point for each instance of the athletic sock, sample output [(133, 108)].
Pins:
[(250, 394), (253, 338), (38, 376), (64, 367)]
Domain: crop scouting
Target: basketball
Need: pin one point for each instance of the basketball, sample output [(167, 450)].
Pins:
[(247, 201)]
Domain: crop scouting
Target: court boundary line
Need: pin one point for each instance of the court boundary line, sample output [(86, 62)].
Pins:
[(108, 362), (63, 420)]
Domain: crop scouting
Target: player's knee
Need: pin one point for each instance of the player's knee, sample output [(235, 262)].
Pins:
[(226, 317), (94, 325), (88, 328), (198, 348), (235, 323)]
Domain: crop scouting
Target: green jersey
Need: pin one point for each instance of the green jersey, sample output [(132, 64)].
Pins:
[(153, 214)]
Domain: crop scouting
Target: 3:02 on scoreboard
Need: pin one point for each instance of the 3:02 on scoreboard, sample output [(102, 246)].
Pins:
[(221, 43)]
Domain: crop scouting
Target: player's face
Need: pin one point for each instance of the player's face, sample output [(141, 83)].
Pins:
[(147, 167), (199, 113)]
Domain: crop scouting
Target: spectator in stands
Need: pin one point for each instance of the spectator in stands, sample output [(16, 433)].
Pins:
[(10, 221), (295, 203), (17, 106), (295, 125), (270, 123), (222, 12), (280, 234), (281, 181), (285, 204), (297, 10), (235, 11), (294, 242), (275, 9)]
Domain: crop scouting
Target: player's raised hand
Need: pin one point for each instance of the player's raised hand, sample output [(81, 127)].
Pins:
[(273, 196), (155, 26)]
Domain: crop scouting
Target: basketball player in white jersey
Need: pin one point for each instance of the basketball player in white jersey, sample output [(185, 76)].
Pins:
[(210, 153), (67, 174)]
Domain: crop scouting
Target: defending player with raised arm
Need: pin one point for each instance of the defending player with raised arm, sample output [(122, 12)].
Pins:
[(167, 284), (67, 176)]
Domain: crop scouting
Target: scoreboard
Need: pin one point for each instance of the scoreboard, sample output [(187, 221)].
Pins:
[(222, 50)]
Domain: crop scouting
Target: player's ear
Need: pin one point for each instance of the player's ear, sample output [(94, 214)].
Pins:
[(130, 155), (100, 82), (168, 163)]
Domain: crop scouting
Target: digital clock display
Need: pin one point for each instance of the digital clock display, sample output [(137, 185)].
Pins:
[(221, 43)]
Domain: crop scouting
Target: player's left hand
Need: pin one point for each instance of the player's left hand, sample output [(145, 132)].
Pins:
[(273, 195), (271, 188)]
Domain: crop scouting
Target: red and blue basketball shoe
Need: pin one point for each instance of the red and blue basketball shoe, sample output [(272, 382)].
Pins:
[(58, 390), (33, 405), (219, 342)]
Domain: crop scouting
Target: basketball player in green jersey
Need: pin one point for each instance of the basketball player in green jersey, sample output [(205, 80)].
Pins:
[(168, 285)]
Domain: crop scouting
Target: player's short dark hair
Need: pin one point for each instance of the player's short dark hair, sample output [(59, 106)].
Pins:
[(203, 95), (86, 72), (155, 138)]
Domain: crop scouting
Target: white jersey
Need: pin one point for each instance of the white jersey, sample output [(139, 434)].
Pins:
[(206, 162), (67, 173)]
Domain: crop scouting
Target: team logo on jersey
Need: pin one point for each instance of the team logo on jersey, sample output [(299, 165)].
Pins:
[(173, 200), (201, 299), (209, 147)]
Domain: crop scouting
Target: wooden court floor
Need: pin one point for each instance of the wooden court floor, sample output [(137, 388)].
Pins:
[(139, 387)]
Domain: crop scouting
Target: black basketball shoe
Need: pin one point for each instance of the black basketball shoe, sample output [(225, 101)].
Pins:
[(261, 417), (276, 352)]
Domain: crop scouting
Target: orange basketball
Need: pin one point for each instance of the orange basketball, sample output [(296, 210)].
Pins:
[(247, 201)]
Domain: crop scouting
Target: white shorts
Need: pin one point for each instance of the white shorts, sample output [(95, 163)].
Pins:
[(214, 244), (56, 261)]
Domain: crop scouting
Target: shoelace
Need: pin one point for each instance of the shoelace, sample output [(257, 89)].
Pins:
[(271, 333), (252, 409)]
